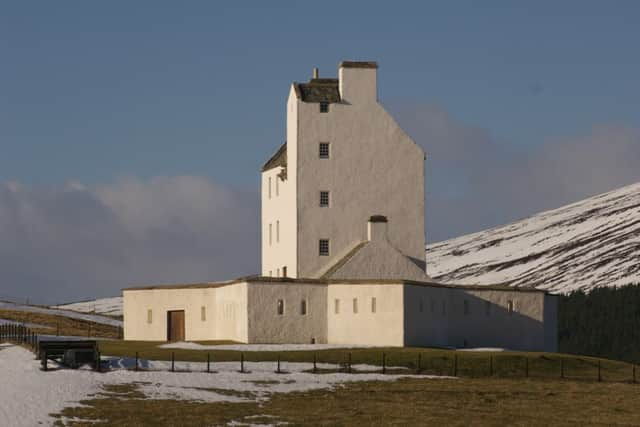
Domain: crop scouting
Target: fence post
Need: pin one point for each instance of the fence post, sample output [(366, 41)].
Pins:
[(455, 365), (242, 362), (384, 363), (315, 368), (278, 367), (599, 372), (173, 361), (136, 368), (208, 362)]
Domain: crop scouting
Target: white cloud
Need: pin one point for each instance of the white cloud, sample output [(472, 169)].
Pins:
[(475, 181), (75, 241)]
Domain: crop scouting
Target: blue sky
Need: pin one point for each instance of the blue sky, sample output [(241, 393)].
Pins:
[(101, 97)]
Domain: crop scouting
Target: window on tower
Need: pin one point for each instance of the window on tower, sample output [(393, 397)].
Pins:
[(324, 107), (323, 247), (323, 150), (324, 199)]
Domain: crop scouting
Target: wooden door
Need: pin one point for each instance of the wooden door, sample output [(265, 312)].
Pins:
[(175, 325)]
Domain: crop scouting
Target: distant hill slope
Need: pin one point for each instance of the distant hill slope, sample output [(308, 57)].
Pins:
[(107, 306), (96, 318), (594, 242)]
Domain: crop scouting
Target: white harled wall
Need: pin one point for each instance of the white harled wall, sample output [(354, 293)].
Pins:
[(281, 206), (225, 313), (374, 169), (384, 327)]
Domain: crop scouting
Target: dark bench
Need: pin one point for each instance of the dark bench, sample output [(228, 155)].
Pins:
[(70, 353)]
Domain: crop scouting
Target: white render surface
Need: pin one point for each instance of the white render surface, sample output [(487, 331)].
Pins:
[(226, 312), (382, 328), (403, 314)]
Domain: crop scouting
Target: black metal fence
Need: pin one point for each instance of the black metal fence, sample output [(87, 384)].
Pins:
[(19, 334), (417, 363)]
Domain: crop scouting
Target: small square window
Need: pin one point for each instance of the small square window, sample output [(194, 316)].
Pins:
[(324, 199), (280, 307), (324, 107), (323, 247), (323, 150)]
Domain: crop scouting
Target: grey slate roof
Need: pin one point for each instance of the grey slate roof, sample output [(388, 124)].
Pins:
[(319, 90), (358, 64), (279, 158)]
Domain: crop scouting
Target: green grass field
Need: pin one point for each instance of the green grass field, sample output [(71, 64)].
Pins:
[(425, 360)]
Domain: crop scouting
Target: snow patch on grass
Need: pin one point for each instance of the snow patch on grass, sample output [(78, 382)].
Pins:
[(28, 395)]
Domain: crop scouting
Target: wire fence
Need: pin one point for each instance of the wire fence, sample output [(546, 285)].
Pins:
[(458, 364), (414, 363)]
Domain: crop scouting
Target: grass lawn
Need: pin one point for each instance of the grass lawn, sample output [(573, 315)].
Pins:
[(463, 402), (60, 324), (431, 361)]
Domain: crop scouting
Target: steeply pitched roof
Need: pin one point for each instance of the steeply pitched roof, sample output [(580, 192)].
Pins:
[(279, 158), (376, 259), (319, 90)]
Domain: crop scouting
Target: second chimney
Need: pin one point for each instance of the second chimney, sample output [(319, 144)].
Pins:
[(315, 72), (377, 228)]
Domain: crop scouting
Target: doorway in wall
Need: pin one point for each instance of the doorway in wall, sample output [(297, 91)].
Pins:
[(175, 325)]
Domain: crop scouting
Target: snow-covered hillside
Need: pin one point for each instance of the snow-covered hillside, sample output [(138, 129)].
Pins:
[(59, 312), (109, 306), (594, 242)]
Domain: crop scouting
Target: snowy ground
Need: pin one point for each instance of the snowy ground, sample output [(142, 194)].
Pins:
[(109, 306), (57, 312), (28, 395), (257, 347)]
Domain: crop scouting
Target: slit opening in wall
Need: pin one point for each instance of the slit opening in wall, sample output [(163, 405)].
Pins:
[(313, 340)]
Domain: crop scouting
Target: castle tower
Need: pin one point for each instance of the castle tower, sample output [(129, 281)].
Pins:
[(345, 160)]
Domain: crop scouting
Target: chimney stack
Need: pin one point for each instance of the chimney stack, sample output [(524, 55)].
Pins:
[(315, 72), (377, 228), (358, 81)]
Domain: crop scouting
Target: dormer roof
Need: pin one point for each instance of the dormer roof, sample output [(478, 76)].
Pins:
[(318, 90)]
